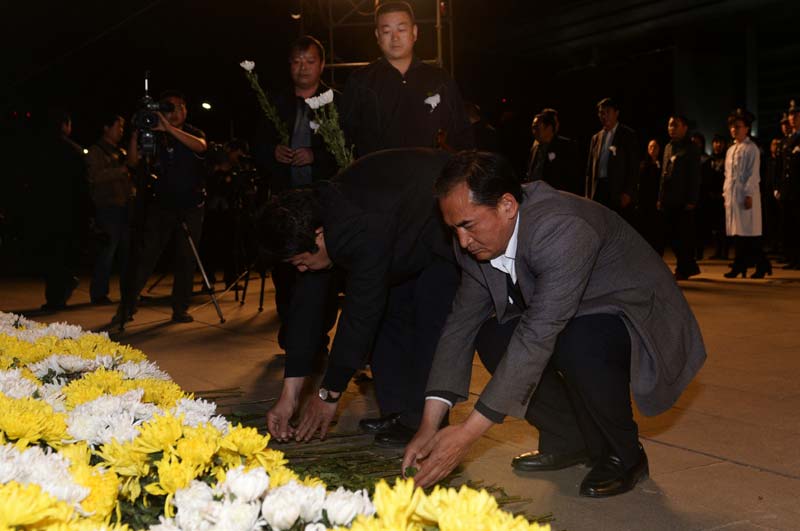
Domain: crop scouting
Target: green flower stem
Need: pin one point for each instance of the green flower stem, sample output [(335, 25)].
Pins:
[(268, 108)]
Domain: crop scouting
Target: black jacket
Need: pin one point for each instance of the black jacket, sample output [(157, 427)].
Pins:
[(382, 226), (384, 109), (561, 169), (324, 165), (680, 175), (623, 164)]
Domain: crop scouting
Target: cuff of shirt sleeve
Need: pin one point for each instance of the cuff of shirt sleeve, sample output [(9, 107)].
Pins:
[(336, 378), (446, 396), (440, 399), (489, 413)]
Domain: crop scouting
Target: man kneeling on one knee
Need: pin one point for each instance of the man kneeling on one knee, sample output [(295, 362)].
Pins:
[(571, 311)]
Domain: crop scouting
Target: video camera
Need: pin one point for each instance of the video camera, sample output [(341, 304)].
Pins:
[(145, 119)]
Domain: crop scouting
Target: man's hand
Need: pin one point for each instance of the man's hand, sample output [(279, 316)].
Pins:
[(317, 416), (302, 157), (163, 123), (413, 452), (748, 202), (278, 418), (280, 414), (284, 154), (443, 452), (624, 200), (689, 206)]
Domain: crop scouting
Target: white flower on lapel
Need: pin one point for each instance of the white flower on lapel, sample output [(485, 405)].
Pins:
[(313, 125), (551, 156), (673, 158), (796, 149), (248, 65), (613, 150), (433, 101)]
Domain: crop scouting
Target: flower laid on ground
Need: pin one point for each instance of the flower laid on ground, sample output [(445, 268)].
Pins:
[(326, 123), (269, 109), (94, 437)]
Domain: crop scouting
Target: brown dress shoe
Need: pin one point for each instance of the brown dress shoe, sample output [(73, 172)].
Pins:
[(538, 461)]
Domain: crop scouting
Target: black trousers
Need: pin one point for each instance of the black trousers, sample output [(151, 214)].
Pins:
[(681, 233), (407, 338), (583, 399), (161, 224), (749, 252), (58, 256)]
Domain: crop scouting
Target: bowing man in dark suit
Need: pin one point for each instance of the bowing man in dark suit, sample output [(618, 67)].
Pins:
[(571, 311), (612, 170), (554, 158), (377, 223)]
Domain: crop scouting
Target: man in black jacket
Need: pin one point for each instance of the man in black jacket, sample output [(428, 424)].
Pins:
[(678, 194), (399, 101), (612, 171), (378, 224), (303, 161), (554, 158)]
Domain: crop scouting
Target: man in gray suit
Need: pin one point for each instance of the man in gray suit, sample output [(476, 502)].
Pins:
[(571, 311)]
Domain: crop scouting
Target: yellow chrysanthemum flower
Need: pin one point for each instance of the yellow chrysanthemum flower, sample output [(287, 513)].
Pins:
[(29, 506), (159, 434), (86, 525), (27, 421), (310, 481), (368, 523), (77, 453), (172, 476), (93, 385), (281, 476), (396, 505), (197, 451), (104, 486)]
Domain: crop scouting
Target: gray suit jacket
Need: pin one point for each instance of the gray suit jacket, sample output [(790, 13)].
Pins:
[(574, 257)]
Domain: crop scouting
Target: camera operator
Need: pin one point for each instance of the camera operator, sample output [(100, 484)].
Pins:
[(178, 197)]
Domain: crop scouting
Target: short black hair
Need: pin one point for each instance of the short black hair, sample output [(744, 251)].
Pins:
[(680, 117), (487, 175), (305, 42), (548, 117), (741, 114), (287, 224), (394, 7), (608, 102), (172, 93), (698, 135), (110, 118)]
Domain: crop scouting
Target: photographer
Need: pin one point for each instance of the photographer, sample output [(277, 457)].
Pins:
[(178, 197)]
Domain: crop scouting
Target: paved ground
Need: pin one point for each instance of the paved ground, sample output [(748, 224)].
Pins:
[(725, 457)]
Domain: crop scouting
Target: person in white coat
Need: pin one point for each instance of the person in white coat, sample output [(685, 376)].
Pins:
[(743, 199)]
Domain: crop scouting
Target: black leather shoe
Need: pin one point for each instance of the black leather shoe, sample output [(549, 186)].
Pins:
[(538, 461), (378, 424), (395, 436), (182, 317), (609, 477)]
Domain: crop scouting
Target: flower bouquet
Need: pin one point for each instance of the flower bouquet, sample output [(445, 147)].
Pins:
[(326, 123)]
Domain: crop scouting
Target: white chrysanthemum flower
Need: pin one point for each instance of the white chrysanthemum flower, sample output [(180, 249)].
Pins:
[(313, 102), (110, 417), (281, 507), (14, 385), (306, 501), (313, 125), (246, 486), (342, 506), (132, 370), (326, 97), (165, 524), (237, 515), (220, 423), (49, 470), (248, 65), (195, 412), (315, 527), (196, 506)]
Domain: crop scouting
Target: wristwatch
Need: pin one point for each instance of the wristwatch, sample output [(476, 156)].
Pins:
[(328, 396)]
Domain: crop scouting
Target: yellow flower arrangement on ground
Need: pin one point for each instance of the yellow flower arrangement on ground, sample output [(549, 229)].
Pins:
[(95, 437)]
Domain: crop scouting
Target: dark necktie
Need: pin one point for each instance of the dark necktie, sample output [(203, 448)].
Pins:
[(515, 294)]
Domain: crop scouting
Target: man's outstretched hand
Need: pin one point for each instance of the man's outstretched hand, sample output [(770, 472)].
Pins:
[(317, 416), (281, 413)]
